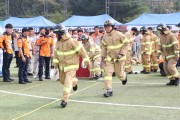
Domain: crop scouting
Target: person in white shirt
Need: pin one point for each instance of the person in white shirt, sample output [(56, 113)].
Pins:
[(31, 38), (137, 47), (16, 50)]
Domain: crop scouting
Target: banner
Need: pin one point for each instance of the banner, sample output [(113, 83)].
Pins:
[(1, 61)]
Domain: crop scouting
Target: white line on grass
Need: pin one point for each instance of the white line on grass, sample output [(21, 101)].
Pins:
[(90, 102), (130, 83), (57, 99)]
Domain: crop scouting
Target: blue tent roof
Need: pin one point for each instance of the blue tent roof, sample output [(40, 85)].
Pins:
[(39, 21), (1, 23), (155, 19), (87, 21)]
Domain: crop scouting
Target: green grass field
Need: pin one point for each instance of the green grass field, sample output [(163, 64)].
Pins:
[(145, 97)]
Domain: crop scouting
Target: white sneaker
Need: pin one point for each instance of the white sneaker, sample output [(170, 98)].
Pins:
[(34, 76)]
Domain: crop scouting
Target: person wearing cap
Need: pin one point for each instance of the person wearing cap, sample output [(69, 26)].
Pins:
[(130, 35), (24, 56), (96, 36), (154, 50), (94, 53), (46, 43), (66, 57), (169, 47), (114, 49), (146, 50), (7, 53)]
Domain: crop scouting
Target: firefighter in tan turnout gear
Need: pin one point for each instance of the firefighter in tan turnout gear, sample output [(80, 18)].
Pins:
[(170, 50), (94, 53), (66, 57), (114, 48), (154, 51), (130, 36), (145, 50)]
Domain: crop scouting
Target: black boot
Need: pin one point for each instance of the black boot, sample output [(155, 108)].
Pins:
[(63, 104), (176, 82), (108, 93), (130, 72), (143, 71), (146, 72), (155, 70), (75, 87), (162, 73), (114, 74), (124, 81), (172, 82), (40, 79)]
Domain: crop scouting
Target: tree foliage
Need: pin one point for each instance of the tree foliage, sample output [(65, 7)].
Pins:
[(59, 10)]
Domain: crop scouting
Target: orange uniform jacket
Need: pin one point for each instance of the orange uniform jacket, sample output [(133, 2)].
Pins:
[(7, 43), (45, 49), (23, 43), (1, 43)]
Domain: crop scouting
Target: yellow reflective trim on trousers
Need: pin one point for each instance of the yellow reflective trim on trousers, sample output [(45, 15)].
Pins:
[(154, 65), (95, 69), (121, 59), (96, 56), (148, 53), (70, 52), (169, 56), (108, 59), (176, 75), (176, 52), (146, 65), (112, 47), (103, 42), (159, 51), (55, 60), (66, 89), (107, 77), (145, 43), (70, 67), (127, 66), (169, 76)]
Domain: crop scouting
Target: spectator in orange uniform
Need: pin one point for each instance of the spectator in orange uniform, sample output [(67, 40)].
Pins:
[(24, 56), (46, 44), (7, 53), (97, 36)]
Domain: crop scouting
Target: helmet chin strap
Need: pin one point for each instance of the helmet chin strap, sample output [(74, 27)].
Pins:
[(59, 37), (111, 30)]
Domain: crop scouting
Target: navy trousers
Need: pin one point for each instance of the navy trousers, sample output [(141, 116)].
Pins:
[(43, 60), (7, 58), (22, 73)]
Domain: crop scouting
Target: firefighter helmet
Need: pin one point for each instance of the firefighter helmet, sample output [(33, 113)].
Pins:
[(60, 29), (109, 22), (161, 27), (84, 37)]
